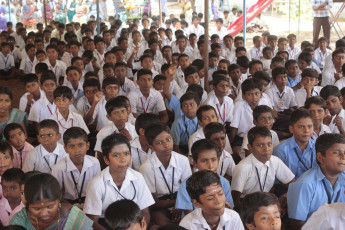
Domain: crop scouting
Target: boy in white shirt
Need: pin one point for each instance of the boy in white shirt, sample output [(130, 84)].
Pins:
[(309, 81), (164, 170), (7, 67), (293, 50), (256, 51), (76, 170), (204, 187), (126, 85), (235, 81), (49, 152), (73, 82), (73, 48), (33, 94), (322, 52), (99, 51), (28, 62), (333, 73), (258, 171), (220, 30), (341, 82), (116, 182)]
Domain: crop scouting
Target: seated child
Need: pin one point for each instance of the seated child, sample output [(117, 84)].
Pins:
[(277, 61), (16, 137), (126, 85), (168, 70), (341, 82), (298, 152), (293, 74), (10, 182), (309, 88), (260, 169), (206, 156), (325, 183), (272, 42), (205, 189), (186, 125), (7, 68), (293, 50), (261, 210), (6, 158), (76, 170), (73, 82), (313, 64), (304, 60), (317, 108), (43, 157), (334, 100), (126, 215), (255, 52), (117, 114), (322, 52), (243, 62), (27, 63), (117, 181), (39, 69), (235, 81), (33, 94), (183, 63), (161, 167)]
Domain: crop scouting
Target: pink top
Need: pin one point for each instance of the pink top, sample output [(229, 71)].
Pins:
[(5, 211), (19, 158), (16, 209)]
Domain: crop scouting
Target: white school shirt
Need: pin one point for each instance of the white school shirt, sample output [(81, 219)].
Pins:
[(179, 78), (226, 164), (26, 65), (83, 106), (323, 129), (187, 51), (17, 55), (111, 45), (242, 118), (6, 62), (328, 216), (183, 90), (99, 57), (233, 89), (224, 110), (321, 57), (100, 114), (328, 76), (196, 221), (275, 140), (67, 58), (245, 176), (340, 83), (102, 191), (24, 100), (314, 66), (39, 159), (59, 69), (62, 172), (177, 172), (256, 53), (73, 120), (127, 87), (301, 95), (221, 33), (154, 103), (75, 93), (333, 126), (266, 63), (110, 129), (198, 31), (229, 54), (138, 155), (281, 101), (174, 87), (293, 53), (328, 62), (264, 100)]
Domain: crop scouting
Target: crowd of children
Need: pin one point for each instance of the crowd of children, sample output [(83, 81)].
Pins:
[(126, 130)]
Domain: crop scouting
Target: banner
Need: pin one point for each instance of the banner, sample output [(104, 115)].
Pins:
[(252, 12)]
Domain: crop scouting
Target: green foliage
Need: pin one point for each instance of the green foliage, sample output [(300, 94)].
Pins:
[(306, 11)]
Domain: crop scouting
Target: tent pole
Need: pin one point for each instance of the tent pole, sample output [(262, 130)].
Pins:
[(45, 13), (206, 46), (244, 22), (98, 21)]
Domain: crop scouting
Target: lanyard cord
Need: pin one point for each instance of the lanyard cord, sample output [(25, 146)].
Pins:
[(300, 160), (257, 173), (56, 157), (328, 196), (166, 183), (76, 186), (135, 192)]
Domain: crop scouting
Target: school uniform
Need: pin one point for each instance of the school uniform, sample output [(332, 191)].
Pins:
[(131, 119), (328, 216), (266, 63), (135, 76), (83, 106), (323, 129), (224, 110), (328, 76), (256, 53), (163, 181), (333, 127), (198, 30), (100, 114), (179, 78), (187, 51), (251, 175), (183, 90), (26, 65), (196, 221), (20, 156), (175, 105), (138, 155), (293, 82), (59, 69), (242, 112), (127, 87), (16, 209), (275, 140), (281, 101), (154, 103), (293, 52), (229, 54), (99, 57), (264, 100), (17, 54), (41, 110), (298, 162), (110, 129), (321, 57), (184, 202), (39, 159), (6, 64), (221, 33), (226, 164), (102, 191), (73, 120), (301, 95), (77, 93), (6, 211), (314, 66), (24, 100), (340, 83), (311, 191), (73, 183)]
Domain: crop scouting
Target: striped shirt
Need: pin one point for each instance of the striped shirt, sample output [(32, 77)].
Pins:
[(321, 13)]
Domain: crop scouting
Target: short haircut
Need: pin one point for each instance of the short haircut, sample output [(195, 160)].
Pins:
[(254, 62), (329, 90), (40, 52), (70, 68), (198, 63), (47, 75), (252, 203), (243, 61), (142, 72), (27, 175), (74, 59), (196, 89), (182, 55), (154, 130), (204, 108), (305, 56), (278, 59), (239, 49), (10, 127), (298, 114), (258, 131), (250, 84), (51, 46), (197, 183), (212, 128), (120, 64), (74, 133), (316, 100), (29, 46), (73, 43), (309, 72), (327, 140), (232, 67), (122, 214), (340, 43), (272, 38), (267, 48), (91, 82), (114, 139), (189, 70), (5, 147), (278, 70), (260, 109), (202, 145), (110, 81), (342, 91), (190, 96), (145, 120), (289, 63), (63, 91), (108, 65), (49, 124), (12, 175), (282, 39), (262, 75), (28, 78), (338, 51), (219, 78), (115, 103)]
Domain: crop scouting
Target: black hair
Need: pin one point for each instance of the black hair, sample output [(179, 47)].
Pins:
[(278, 59), (198, 63), (29, 46), (153, 130), (120, 64), (13, 227), (258, 131), (254, 62), (114, 139), (278, 70), (283, 52), (50, 124), (91, 82), (239, 49), (305, 56), (182, 55), (70, 68), (243, 61), (326, 141), (309, 72), (10, 127), (267, 48), (27, 175), (4, 147), (272, 38), (219, 78), (165, 67), (338, 51), (196, 89), (298, 114), (189, 70), (110, 81), (142, 72), (108, 65), (171, 226), (252, 203), (40, 52), (6, 90), (260, 109), (145, 120), (233, 67), (74, 59), (329, 90), (212, 128), (190, 96), (197, 183), (282, 39), (250, 84), (28, 78), (202, 145), (204, 108), (289, 63), (122, 214), (71, 43), (74, 133), (262, 75), (12, 175), (115, 103), (90, 74), (226, 61), (88, 54), (340, 43), (315, 100), (158, 78), (342, 91), (51, 46), (47, 75), (63, 91)]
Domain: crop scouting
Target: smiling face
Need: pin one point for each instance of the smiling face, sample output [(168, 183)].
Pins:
[(76, 149), (119, 158), (212, 201), (267, 218), (163, 144)]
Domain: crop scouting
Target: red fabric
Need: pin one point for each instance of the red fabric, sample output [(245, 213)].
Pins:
[(252, 12)]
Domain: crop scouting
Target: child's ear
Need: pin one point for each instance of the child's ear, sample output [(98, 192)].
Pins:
[(108, 117), (250, 226), (250, 147), (87, 145), (341, 99), (71, 101), (58, 136), (290, 129), (196, 203), (199, 123), (106, 160), (319, 157), (142, 131), (255, 122), (143, 224)]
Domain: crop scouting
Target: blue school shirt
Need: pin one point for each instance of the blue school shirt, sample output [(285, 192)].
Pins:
[(292, 83), (289, 152), (183, 128), (312, 190), (184, 202), (175, 104)]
